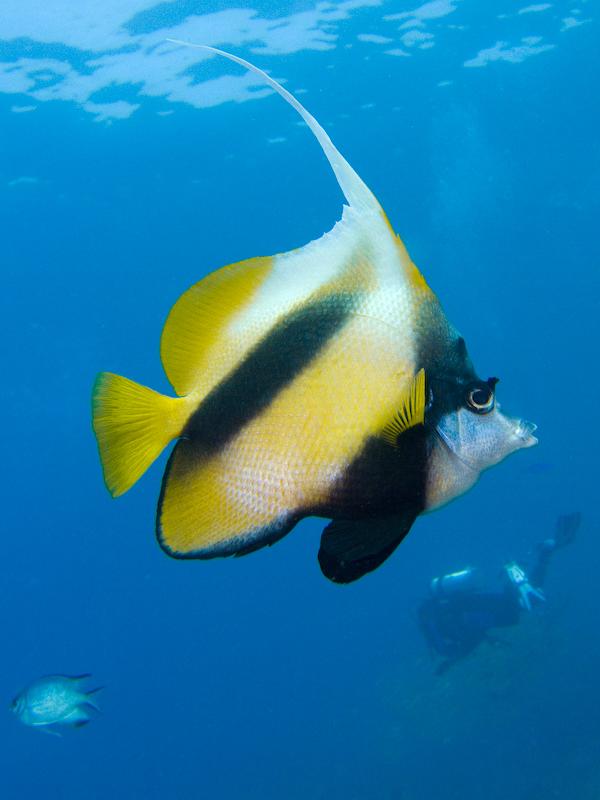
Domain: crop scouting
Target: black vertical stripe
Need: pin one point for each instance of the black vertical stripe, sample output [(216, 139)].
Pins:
[(272, 365), (382, 480)]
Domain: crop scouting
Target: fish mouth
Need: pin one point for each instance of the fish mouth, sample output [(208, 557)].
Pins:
[(524, 433)]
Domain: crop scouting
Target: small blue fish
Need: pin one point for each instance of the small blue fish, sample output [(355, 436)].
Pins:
[(55, 700)]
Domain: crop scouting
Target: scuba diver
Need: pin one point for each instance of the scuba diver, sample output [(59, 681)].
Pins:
[(457, 615)]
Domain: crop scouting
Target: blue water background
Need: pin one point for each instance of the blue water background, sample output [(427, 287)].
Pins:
[(256, 677)]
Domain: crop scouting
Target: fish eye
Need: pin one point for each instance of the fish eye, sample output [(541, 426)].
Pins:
[(480, 397)]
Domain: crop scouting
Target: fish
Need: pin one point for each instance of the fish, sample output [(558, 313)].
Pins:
[(325, 382), (54, 701)]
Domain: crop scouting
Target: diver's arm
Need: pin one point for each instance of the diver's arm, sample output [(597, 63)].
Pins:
[(527, 595)]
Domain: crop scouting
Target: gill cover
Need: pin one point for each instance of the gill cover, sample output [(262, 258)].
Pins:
[(466, 442)]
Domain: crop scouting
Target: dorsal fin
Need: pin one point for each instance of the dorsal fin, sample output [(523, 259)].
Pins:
[(356, 192)]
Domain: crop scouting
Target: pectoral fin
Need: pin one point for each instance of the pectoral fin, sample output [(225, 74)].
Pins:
[(410, 412), (351, 548)]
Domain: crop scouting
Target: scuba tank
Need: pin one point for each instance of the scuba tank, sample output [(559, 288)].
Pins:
[(453, 583)]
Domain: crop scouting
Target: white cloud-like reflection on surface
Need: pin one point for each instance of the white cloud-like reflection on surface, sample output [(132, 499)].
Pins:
[(101, 53), (107, 56)]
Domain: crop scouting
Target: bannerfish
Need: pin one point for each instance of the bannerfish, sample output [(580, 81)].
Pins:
[(55, 700), (325, 381)]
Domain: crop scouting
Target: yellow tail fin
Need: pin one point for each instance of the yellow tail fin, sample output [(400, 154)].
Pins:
[(133, 425)]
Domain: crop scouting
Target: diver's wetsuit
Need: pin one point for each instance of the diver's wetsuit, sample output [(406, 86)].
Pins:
[(454, 623)]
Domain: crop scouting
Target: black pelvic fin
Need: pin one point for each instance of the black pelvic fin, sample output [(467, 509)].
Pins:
[(351, 548)]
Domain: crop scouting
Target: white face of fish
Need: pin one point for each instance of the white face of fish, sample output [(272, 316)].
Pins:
[(468, 442)]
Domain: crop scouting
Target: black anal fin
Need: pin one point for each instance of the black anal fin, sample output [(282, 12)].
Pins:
[(351, 548)]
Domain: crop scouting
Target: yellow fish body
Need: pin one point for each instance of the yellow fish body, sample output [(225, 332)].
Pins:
[(324, 381)]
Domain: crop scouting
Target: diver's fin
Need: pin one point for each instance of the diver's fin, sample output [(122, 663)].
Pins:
[(133, 425), (198, 320), (357, 193), (410, 412), (351, 548)]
